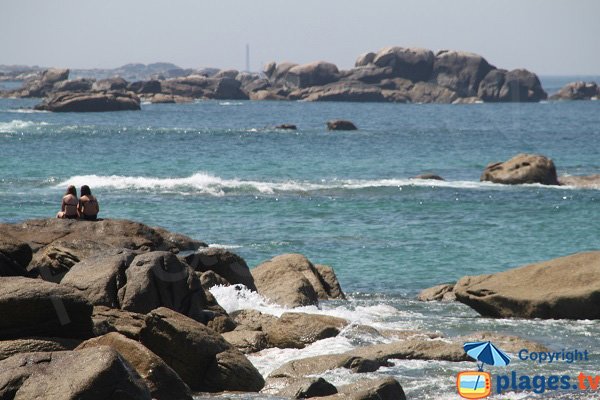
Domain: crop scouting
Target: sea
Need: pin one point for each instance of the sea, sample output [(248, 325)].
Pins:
[(220, 172)]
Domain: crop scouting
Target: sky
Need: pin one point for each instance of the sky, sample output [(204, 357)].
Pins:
[(549, 37)]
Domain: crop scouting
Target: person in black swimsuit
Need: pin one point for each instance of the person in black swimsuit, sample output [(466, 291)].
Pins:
[(69, 206), (88, 204)]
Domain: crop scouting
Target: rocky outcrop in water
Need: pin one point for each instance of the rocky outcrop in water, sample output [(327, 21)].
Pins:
[(90, 102), (522, 168), (578, 91)]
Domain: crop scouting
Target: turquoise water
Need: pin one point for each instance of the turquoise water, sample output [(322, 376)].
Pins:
[(220, 172)]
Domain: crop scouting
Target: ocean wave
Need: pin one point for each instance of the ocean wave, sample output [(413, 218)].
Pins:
[(204, 183), (16, 124)]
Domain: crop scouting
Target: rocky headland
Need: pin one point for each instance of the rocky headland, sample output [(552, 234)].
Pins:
[(392, 74), (96, 309)]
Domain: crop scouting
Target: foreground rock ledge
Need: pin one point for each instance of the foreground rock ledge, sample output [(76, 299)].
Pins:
[(562, 288)]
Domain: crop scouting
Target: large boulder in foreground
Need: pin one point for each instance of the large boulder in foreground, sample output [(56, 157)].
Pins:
[(33, 307), (224, 263), (10, 348), (163, 382), (522, 168), (562, 288), (92, 374), (199, 355), (292, 280), (15, 255), (90, 102)]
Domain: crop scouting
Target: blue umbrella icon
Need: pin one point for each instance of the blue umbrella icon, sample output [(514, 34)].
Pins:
[(486, 353)]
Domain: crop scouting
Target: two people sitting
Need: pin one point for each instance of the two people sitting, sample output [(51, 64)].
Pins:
[(86, 207)]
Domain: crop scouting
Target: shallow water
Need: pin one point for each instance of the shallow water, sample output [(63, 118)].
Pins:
[(220, 172)]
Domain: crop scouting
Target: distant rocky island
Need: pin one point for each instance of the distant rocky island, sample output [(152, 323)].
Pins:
[(392, 74)]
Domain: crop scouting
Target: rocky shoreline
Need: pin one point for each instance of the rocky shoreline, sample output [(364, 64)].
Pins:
[(392, 74), (117, 308)]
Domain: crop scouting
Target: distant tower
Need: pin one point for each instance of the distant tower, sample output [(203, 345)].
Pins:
[(247, 57)]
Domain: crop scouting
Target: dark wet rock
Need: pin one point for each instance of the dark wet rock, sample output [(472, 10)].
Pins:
[(291, 280), (307, 388), (226, 264), (378, 389), (162, 381), (491, 85), (209, 279), (95, 374), (365, 59), (15, 255), (226, 89), (521, 85), (200, 356), (562, 288), (584, 181), (459, 71), (247, 341), (33, 307), (444, 292), (330, 283), (428, 176), (109, 84), (414, 64), (522, 168), (145, 87), (290, 127), (296, 330), (341, 125), (127, 323), (74, 85), (577, 91), (90, 102), (9, 348)]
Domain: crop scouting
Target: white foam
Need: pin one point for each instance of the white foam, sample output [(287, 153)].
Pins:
[(230, 103), (213, 185), (16, 125), (224, 246)]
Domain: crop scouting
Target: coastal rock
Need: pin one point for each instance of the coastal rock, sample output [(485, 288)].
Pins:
[(443, 292), (296, 330), (200, 356), (247, 341), (280, 71), (369, 74), (100, 277), (414, 64), (468, 100), (589, 181), (491, 85), (459, 71), (577, 91), (90, 102), (319, 364), (33, 307), (267, 95), (160, 98), (365, 59), (252, 320), (307, 388), (226, 89), (127, 323), (269, 69), (562, 288), (377, 389), (15, 255), (160, 279), (226, 264), (193, 86), (109, 84), (521, 85), (120, 234), (162, 381), (96, 374), (9, 348), (329, 280), (256, 85), (226, 73), (433, 177), (509, 343), (74, 85), (44, 83), (341, 125), (209, 279), (426, 92), (522, 168), (341, 91), (145, 87), (291, 280), (290, 127), (318, 73)]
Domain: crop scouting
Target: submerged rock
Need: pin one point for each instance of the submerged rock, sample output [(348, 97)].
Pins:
[(444, 292), (566, 287), (428, 176), (90, 102), (522, 168), (341, 125), (585, 181)]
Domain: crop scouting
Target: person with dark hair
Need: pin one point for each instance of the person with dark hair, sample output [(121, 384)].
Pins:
[(88, 205), (69, 207)]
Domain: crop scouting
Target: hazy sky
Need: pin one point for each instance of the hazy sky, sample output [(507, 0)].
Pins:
[(545, 36)]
